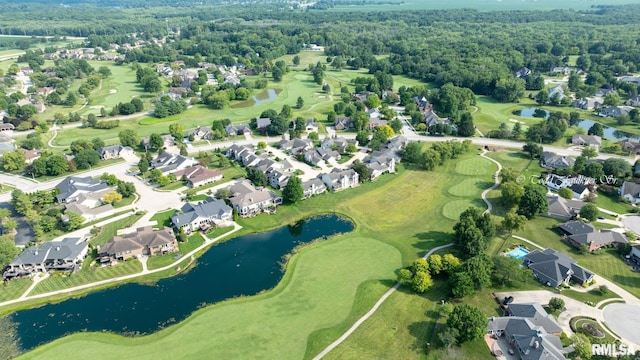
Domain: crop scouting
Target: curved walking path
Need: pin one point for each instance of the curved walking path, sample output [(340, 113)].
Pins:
[(145, 271), (375, 307), (496, 181)]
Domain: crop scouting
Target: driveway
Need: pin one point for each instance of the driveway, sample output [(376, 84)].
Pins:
[(309, 172), (624, 319), (632, 223)]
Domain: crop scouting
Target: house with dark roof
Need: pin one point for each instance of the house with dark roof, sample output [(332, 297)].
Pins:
[(630, 146), (579, 234), (296, 146), (580, 191), (523, 72), (203, 215), (533, 333), (64, 255), (553, 268), (588, 103), (170, 163), (630, 191), (114, 152), (70, 189), (237, 129), (198, 175), (563, 209), (551, 160), (144, 241), (615, 111), (248, 200), (343, 123)]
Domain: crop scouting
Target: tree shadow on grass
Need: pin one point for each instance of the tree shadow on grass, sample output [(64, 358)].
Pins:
[(430, 239), (421, 331)]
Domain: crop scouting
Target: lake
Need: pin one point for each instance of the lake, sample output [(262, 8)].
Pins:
[(261, 98), (532, 112), (245, 265), (609, 133)]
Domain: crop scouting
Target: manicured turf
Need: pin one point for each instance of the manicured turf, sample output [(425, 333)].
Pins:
[(469, 187), (308, 300), (87, 275), (13, 289), (194, 241), (476, 166), (120, 87), (163, 218), (108, 231)]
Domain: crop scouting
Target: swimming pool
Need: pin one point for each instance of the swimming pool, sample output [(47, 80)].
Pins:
[(518, 252)]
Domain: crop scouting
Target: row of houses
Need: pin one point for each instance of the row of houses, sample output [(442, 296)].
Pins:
[(64, 255), (144, 241)]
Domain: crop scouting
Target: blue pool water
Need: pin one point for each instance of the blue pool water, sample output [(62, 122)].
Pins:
[(518, 252)]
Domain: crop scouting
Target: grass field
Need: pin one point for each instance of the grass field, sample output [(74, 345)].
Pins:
[(278, 323), (108, 231), (163, 218), (13, 289), (120, 87), (194, 241), (86, 275)]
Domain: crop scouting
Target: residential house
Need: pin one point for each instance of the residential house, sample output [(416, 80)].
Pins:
[(312, 187), (296, 146), (170, 163), (379, 165), (84, 207), (70, 189), (630, 146), (248, 200), (602, 92), (144, 241), (533, 333), (634, 101), (198, 175), (362, 96), (580, 191), (635, 253), (523, 73), (422, 103), (114, 152), (563, 209), (338, 179), (557, 182), (263, 123), (615, 111), (201, 216), (578, 234), (6, 127), (311, 125), (376, 122), (343, 123), (552, 160), (630, 79), (237, 129), (317, 156), (630, 191), (64, 255), (557, 93), (31, 155), (338, 143), (553, 268), (277, 179), (588, 103), (583, 140), (201, 133), (373, 114), (564, 70)]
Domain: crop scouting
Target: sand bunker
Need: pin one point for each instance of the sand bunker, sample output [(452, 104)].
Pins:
[(113, 91), (516, 121)]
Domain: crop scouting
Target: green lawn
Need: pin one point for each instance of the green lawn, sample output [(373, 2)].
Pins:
[(87, 274), (386, 237), (193, 242), (612, 203), (120, 87), (14, 289), (163, 218), (215, 232), (109, 230)]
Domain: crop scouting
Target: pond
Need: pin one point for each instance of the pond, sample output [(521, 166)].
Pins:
[(245, 265), (261, 98), (532, 112), (609, 133)]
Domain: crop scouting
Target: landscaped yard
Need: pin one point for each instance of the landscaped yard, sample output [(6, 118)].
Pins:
[(193, 242), (108, 231), (13, 289), (163, 218), (215, 232)]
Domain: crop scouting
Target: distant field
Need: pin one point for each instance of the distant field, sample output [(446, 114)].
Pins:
[(482, 5)]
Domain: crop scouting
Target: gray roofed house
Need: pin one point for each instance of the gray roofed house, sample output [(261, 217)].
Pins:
[(552, 160), (277, 179), (201, 133), (236, 152), (64, 255), (338, 179), (343, 123), (531, 341), (557, 92), (311, 125), (536, 314), (591, 140), (596, 239), (170, 163), (615, 111), (630, 191), (263, 123), (563, 209), (634, 101), (199, 175), (630, 146), (296, 146), (523, 72), (144, 241), (237, 129), (71, 187), (576, 228), (339, 143), (312, 187), (90, 213), (630, 79), (554, 268), (114, 152), (588, 103), (580, 191), (250, 201), (379, 165), (194, 217)]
